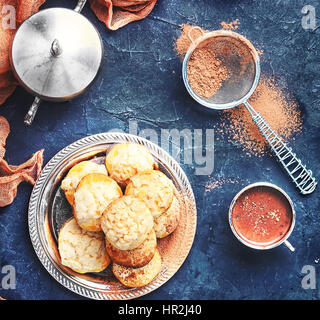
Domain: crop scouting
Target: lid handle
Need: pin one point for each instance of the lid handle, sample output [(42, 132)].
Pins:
[(80, 5), (28, 119), (56, 49)]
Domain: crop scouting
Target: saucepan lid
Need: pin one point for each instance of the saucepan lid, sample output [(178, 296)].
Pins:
[(56, 54)]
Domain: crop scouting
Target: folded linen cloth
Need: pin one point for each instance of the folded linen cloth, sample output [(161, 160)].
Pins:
[(11, 176), (118, 13)]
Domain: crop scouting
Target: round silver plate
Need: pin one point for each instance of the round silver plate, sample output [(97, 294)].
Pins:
[(48, 210)]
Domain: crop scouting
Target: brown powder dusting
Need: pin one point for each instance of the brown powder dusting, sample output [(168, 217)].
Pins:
[(206, 72), (233, 25), (260, 52), (173, 247), (183, 42), (206, 69), (276, 107), (217, 183)]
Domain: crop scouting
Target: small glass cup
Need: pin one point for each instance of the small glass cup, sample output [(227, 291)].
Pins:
[(257, 245)]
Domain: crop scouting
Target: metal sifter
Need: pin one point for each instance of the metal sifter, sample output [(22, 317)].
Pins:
[(56, 54), (243, 64)]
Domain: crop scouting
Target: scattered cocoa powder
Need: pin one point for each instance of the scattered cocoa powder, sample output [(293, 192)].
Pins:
[(183, 43), (276, 106), (206, 72), (260, 52), (233, 25), (216, 183), (174, 247)]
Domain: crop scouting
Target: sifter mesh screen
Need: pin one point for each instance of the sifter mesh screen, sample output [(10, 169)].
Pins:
[(239, 58)]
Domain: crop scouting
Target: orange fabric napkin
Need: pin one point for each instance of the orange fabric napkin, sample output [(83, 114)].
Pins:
[(23, 9), (118, 13), (11, 176)]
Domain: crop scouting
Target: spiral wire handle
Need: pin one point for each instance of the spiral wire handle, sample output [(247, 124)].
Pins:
[(302, 177)]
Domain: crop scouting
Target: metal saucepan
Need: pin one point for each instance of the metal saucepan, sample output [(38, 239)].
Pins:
[(56, 54)]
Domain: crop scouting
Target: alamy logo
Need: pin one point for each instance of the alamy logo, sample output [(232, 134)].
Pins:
[(8, 17), (8, 274), (309, 19), (309, 280), (187, 146)]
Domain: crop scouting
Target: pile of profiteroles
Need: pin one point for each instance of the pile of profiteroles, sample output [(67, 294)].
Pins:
[(120, 208)]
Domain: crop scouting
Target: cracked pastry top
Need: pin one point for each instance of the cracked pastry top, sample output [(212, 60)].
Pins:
[(155, 188), (137, 257), (93, 194), (126, 222), (166, 223), (76, 173), (126, 160)]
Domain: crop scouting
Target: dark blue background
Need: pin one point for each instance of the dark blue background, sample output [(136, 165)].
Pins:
[(141, 81)]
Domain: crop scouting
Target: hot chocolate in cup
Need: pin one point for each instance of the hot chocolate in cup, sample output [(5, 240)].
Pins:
[(262, 216)]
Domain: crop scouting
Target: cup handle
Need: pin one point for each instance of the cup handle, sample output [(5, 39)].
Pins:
[(289, 246)]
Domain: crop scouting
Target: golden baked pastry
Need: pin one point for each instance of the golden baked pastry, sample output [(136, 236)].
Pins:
[(76, 173), (126, 222), (138, 277), (167, 222), (155, 188), (82, 251), (137, 257), (127, 159), (93, 194)]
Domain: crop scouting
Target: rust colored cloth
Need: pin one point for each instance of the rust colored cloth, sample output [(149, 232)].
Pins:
[(23, 9), (27, 8), (118, 13), (4, 132), (12, 176), (31, 167), (9, 186)]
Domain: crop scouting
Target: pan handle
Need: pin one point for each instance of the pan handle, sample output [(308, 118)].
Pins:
[(80, 5), (302, 178), (28, 119)]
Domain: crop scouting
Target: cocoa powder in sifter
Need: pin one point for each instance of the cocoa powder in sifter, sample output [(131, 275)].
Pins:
[(271, 100), (182, 44), (206, 72)]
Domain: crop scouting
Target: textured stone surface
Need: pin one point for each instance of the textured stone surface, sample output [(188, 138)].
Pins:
[(141, 81)]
